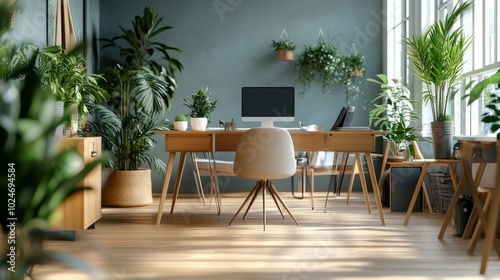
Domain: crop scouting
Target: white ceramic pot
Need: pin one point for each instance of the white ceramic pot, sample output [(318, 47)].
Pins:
[(198, 124), (181, 126)]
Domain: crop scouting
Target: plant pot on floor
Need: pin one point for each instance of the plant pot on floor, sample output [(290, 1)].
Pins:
[(442, 139), (127, 188), (198, 124)]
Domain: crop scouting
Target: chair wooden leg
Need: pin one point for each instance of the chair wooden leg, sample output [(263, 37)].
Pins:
[(264, 220), (276, 202), (251, 194), (477, 231), (255, 194), (272, 189), (311, 186), (332, 180)]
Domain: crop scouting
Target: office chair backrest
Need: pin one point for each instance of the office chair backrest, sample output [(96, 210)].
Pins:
[(265, 153)]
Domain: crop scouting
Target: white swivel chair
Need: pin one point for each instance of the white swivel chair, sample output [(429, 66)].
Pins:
[(265, 154)]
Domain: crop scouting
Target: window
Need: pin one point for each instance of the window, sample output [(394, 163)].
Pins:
[(407, 18), (397, 28)]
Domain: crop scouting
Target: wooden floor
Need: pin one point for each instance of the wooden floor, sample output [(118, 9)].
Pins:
[(196, 243)]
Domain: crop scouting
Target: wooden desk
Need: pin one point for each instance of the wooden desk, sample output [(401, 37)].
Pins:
[(217, 141)]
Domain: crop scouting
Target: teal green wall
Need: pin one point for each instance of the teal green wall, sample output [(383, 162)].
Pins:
[(226, 45)]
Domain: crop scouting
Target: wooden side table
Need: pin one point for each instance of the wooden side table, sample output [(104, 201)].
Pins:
[(425, 163)]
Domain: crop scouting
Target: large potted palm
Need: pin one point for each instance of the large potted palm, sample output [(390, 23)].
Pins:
[(437, 57), (126, 124), (140, 89)]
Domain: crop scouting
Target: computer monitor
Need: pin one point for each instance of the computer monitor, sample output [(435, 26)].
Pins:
[(267, 105), (345, 117)]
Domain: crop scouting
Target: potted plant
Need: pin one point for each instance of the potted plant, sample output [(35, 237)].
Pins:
[(437, 57), (201, 107), (395, 115), (65, 75), (180, 122), (318, 63), (284, 47), (324, 64), (126, 124), (140, 89), (355, 63)]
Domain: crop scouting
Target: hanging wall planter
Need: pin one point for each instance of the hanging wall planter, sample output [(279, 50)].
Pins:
[(357, 73), (285, 54), (284, 47)]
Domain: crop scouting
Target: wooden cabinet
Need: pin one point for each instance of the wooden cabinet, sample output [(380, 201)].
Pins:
[(82, 209)]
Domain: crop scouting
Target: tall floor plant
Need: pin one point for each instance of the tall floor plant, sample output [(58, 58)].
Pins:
[(437, 57)]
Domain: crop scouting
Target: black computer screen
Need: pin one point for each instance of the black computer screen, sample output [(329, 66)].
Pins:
[(267, 102)]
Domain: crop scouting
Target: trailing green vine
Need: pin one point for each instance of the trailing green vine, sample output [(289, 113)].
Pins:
[(324, 64)]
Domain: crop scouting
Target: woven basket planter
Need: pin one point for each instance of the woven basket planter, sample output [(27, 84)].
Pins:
[(128, 188)]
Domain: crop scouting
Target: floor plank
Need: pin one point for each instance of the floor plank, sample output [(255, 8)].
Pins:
[(195, 243)]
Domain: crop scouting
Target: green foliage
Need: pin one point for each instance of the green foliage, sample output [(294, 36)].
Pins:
[(396, 112), (140, 47), (127, 122), (492, 117), (200, 104), (324, 64), (478, 89), (354, 62), (283, 44), (13, 58), (437, 57), (140, 89), (180, 118), (64, 74)]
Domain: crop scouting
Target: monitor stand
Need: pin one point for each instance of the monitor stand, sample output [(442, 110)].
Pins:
[(266, 124)]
